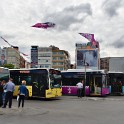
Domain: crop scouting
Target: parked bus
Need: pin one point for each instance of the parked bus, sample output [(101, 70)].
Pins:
[(116, 82), (40, 82), (95, 85), (4, 74)]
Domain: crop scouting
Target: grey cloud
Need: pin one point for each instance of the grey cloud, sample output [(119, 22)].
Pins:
[(111, 6), (85, 8), (100, 40), (70, 15), (119, 43)]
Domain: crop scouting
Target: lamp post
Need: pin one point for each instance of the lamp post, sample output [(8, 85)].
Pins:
[(85, 64)]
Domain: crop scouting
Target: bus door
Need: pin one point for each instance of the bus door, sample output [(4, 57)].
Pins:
[(38, 85), (116, 84), (95, 85)]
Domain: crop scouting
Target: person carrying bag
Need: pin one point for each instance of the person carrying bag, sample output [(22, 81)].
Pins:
[(22, 93)]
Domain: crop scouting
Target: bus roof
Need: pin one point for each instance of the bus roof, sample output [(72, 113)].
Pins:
[(115, 72), (83, 70), (2, 69), (29, 69)]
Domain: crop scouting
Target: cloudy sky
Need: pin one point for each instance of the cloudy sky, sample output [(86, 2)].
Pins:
[(103, 18)]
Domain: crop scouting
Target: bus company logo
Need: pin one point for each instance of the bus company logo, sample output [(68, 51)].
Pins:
[(25, 71), (69, 90), (49, 93)]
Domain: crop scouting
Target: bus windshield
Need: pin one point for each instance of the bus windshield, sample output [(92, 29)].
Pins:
[(55, 78), (4, 74)]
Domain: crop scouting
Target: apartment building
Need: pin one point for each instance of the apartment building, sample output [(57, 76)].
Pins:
[(49, 57), (12, 56)]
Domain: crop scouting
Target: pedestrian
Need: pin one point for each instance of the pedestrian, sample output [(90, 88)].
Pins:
[(22, 93), (10, 86), (83, 89), (4, 92), (79, 89), (1, 92)]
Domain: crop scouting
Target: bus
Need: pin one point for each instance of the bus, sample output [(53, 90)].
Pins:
[(4, 74), (44, 83), (95, 84), (116, 82)]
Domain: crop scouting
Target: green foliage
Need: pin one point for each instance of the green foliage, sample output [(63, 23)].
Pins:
[(10, 66)]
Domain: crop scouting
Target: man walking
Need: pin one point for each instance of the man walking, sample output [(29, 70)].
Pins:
[(10, 86), (79, 89)]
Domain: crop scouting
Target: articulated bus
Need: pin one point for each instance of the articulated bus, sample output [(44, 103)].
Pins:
[(44, 83), (4, 74), (116, 82), (95, 85)]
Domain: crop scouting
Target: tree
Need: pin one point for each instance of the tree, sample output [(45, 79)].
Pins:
[(10, 66)]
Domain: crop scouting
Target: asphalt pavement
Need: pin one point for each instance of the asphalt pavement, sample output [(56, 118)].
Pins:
[(66, 110)]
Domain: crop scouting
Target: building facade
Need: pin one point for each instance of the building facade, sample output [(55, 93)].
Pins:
[(11, 55), (49, 57), (60, 59), (112, 64)]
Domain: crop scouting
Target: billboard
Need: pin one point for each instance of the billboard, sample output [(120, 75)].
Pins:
[(3, 57), (88, 57)]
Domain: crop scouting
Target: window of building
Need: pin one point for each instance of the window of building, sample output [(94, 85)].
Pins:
[(44, 55), (61, 69), (54, 53), (60, 63), (54, 63), (60, 58), (54, 58), (61, 52)]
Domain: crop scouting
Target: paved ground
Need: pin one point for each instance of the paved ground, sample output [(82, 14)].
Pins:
[(66, 110)]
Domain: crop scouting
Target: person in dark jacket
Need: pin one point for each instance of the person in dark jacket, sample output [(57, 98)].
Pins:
[(22, 93), (9, 87), (1, 92)]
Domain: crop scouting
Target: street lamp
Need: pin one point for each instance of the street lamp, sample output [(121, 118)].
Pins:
[(85, 64), (85, 80)]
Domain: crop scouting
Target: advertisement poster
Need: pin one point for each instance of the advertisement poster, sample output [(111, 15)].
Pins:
[(88, 58), (2, 57)]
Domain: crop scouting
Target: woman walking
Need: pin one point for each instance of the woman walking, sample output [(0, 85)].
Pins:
[(22, 93)]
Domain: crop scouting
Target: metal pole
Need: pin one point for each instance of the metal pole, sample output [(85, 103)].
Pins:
[(85, 76)]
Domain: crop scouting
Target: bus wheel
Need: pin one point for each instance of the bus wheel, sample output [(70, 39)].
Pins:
[(27, 96)]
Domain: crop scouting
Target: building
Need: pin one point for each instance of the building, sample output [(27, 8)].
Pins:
[(49, 57), (112, 64), (104, 63), (34, 56), (60, 58), (87, 55), (11, 55)]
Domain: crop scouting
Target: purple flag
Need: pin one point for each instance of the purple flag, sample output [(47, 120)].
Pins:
[(44, 25), (88, 36)]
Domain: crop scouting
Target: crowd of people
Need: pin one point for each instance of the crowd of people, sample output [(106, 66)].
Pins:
[(6, 93)]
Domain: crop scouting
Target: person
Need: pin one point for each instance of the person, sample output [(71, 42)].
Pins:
[(3, 61), (22, 93), (4, 92), (1, 92), (79, 89), (83, 90), (10, 86)]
